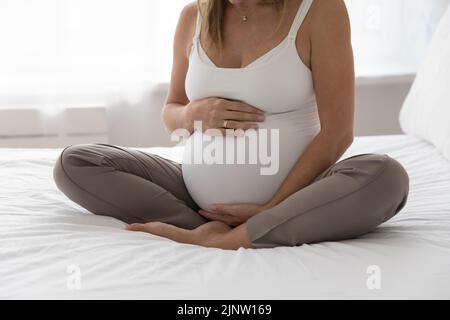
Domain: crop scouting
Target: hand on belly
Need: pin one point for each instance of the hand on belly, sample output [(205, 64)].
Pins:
[(245, 169), (232, 214)]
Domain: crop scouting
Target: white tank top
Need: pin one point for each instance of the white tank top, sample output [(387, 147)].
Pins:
[(278, 83)]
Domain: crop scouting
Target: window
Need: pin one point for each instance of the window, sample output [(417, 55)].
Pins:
[(391, 36), (55, 52)]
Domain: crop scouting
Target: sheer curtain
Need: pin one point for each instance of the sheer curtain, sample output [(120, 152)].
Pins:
[(83, 52), (391, 36), (59, 52)]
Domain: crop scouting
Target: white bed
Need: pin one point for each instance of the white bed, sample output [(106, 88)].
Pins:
[(42, 234)]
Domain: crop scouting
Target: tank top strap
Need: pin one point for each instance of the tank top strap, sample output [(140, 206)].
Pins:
[(300, 17), (198, 27)]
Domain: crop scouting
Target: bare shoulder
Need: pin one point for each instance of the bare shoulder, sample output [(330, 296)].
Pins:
[(189, 12), (186, 26), (329, 17)]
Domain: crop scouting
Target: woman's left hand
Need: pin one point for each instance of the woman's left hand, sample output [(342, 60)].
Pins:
[(232, 214)]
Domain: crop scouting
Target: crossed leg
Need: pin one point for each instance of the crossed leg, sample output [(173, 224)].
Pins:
[(144, 190), (348, 200)]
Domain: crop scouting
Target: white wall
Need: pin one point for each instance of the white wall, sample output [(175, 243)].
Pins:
[(378, 104), (139, 124)]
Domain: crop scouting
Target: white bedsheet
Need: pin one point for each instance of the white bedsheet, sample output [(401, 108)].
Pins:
[(42, 234)]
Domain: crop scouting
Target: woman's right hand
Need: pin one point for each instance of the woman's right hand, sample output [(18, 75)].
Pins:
[(214, 112)]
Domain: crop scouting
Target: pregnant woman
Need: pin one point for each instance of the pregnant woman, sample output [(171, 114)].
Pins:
[(284, 66)]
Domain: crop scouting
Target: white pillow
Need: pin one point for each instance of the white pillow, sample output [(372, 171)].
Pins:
[(426, 111)]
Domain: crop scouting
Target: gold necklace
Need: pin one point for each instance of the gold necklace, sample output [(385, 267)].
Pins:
[(244, 17)]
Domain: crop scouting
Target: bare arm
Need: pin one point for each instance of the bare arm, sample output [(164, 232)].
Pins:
[(334, 81), (173, 113)]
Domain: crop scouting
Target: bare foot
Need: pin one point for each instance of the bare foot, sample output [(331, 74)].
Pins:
[(200, 236), (210, 229), (164, 230), (212, 234)]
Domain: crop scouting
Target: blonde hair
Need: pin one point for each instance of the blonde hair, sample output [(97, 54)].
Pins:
[(212, 12)]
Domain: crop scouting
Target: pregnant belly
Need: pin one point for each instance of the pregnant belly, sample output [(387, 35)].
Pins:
[(247, 169)]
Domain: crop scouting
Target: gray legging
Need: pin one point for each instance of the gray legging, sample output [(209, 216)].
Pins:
[(347, 200)]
